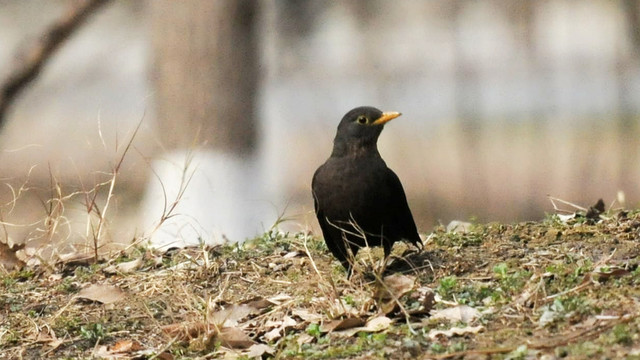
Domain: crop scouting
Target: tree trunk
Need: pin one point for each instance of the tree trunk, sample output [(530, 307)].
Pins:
[(205, 76), (205, 73)]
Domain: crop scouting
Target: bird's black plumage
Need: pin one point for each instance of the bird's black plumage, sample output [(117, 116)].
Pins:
[(359, 201)]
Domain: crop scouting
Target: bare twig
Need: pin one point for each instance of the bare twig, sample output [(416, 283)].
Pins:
[(556, 208)]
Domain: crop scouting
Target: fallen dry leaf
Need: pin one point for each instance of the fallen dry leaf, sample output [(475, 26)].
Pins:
[(257, 350), (307, 315), (279, 299), (336, 325), (304, 338), (8, 258), (292, 254), (433, 334), (102, 293), (124, 267), (232, 315), (278, 327), (123, 346), (234, 338), (75, 258), (461, 313), (259, 303), (273, 334), (395, 286), (392, 289), (288, 322), (601, 273), (47, 336), (102, 352), (376, 324), (163, 356)]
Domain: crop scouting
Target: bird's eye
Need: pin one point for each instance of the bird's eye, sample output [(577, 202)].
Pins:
[(362, 119)]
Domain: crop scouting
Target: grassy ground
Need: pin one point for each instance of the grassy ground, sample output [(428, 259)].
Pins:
[(560, 288)]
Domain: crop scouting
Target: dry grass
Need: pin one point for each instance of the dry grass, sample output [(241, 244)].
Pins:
[(563, 287)]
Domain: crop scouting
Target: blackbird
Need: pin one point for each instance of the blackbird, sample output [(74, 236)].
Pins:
[(358, 200)]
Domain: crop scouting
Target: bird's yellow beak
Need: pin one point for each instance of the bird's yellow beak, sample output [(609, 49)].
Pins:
[(386, 116)]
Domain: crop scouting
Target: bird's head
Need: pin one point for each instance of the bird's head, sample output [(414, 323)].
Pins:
[(360, 128)]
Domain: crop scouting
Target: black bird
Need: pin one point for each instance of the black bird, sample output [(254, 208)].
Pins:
[(359, 201)]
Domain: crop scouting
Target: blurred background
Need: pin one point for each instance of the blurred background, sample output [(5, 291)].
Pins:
[(503, 102)]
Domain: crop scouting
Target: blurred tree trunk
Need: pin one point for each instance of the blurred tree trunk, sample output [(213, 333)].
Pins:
[(627, 122), (205, 80), (205, 73), (632, 13), (475, 197), (523, 20)]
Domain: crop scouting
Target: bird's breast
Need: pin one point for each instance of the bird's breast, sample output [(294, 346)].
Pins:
[(348, 187)]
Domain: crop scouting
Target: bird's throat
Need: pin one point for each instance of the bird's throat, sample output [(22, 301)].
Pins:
[(354, 148)]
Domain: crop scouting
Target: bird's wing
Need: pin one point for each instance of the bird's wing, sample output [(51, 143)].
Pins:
[(406, 226), (332, 236)]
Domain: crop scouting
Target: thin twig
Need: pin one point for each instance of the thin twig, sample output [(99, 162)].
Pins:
[(553, 202)]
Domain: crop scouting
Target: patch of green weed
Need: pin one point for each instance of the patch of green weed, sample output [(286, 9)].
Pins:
[(447, 286), (92, 332)]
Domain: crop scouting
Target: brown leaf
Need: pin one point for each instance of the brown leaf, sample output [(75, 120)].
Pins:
[(262, 303), (279, 299), (232, 315), (373, 325), (395, 286), (288, 322), (258, 303), (234, 338), (165, 356), (47, 336), (304, 338), (8, 258), (336, 325), (292, 254), (257, 350), (273, 334), (102, 293), (102, 352), (124, 267), (377, 324), (75, 259), (306, 315), (611, 272), (125, 346), (278, 327)]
